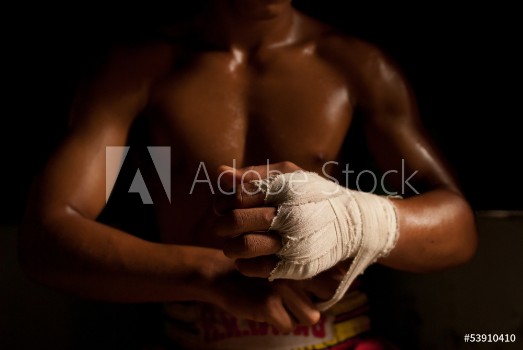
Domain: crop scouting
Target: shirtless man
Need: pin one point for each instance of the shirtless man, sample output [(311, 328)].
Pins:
[(247, 81)]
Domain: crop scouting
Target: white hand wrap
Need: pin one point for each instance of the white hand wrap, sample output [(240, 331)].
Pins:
[(322, 223)]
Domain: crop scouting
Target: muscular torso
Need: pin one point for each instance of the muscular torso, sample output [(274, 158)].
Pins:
[(224, 107)]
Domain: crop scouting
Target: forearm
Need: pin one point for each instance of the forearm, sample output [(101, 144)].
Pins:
[(437, 230), (89, 259)]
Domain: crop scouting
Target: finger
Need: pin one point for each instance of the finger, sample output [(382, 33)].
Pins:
[(241, 221), (324, 285), (239, 181), (246, 195), (257, 267), (278, 316), (299, 304), (251, 245), (227, 177)]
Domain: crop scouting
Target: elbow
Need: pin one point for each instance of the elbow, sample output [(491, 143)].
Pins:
[(467, 249), (458, 241), (464, 252), (466, 239)]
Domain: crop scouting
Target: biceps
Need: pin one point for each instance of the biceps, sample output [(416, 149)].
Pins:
[(75, 176), (407, 152)]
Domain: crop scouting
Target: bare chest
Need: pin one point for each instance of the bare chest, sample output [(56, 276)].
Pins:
[(216, 108)]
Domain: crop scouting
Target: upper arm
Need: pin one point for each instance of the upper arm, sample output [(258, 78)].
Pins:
[(102, 112), (394, 132)]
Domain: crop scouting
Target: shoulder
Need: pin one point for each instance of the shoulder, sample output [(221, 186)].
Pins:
[(335, 46), (360, 62), (372, 74), (357, 58)]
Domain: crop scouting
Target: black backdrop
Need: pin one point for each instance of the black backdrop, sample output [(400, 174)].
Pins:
[(459, 59)]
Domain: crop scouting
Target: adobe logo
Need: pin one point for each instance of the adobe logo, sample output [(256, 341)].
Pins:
[(114, 159)]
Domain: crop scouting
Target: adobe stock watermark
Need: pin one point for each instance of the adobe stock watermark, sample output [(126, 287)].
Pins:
[(347, 172), (114, 159), (161, 160)]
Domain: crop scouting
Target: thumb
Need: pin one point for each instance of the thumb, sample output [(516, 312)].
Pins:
[(228, 177)]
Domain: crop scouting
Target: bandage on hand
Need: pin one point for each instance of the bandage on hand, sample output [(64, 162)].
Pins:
[(322, 223)]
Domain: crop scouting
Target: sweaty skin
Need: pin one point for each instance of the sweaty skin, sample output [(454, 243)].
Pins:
[(246, 82)]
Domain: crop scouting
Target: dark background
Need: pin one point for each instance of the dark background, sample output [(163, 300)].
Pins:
[(459, 59)]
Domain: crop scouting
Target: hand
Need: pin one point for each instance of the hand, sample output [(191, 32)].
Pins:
[(245, 224), (281, 304)]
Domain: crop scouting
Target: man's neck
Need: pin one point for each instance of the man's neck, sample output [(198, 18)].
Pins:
[(228, 24)]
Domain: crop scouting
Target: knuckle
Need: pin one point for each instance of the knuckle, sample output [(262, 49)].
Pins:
[(311, 318), (249, 173), (237, 219), (250, 243), (287, 165)]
